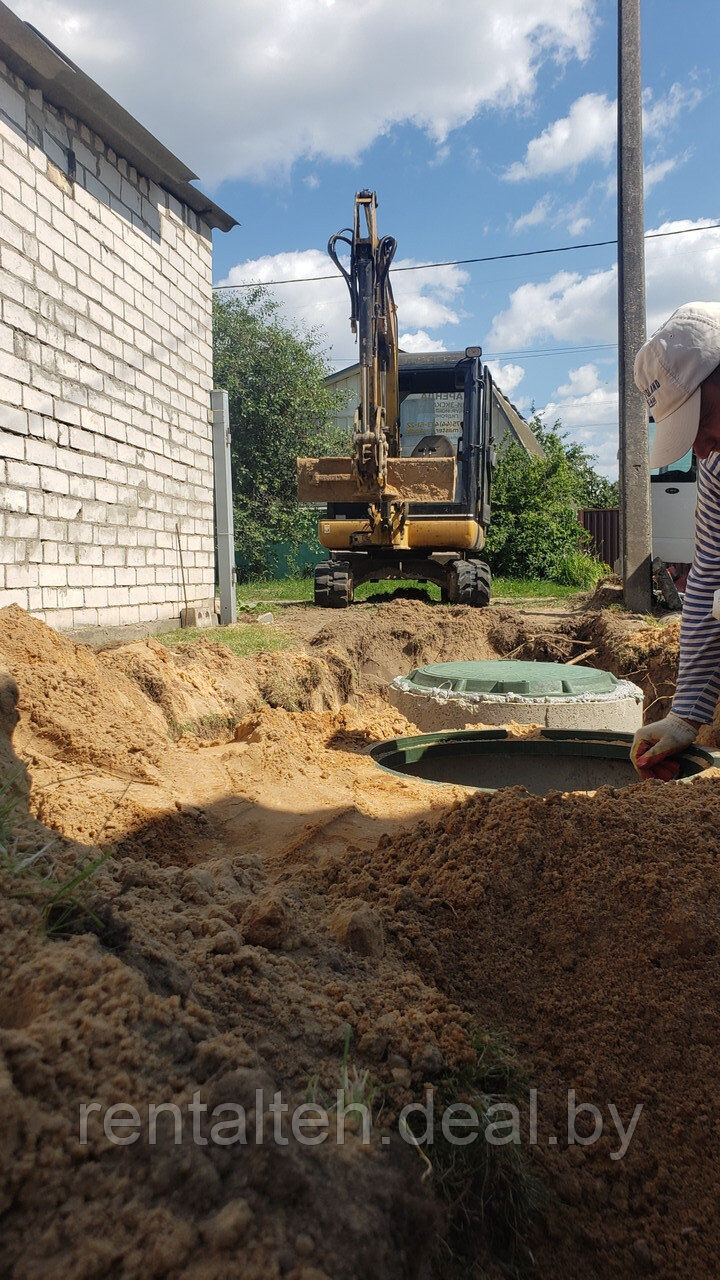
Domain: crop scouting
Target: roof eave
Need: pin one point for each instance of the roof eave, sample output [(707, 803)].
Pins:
[(43, 66)]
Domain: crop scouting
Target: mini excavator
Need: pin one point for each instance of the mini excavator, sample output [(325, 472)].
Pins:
[(413, 499)]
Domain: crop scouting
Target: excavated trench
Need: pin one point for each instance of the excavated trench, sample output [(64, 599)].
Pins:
[(276, 910)]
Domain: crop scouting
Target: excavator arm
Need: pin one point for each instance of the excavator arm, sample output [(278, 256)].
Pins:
[(375, 474), (373, 319)]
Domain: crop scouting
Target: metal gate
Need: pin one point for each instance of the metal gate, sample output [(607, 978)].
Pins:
[(603, 525)]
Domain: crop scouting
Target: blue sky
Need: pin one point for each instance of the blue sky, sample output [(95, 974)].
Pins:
[(484, 129)]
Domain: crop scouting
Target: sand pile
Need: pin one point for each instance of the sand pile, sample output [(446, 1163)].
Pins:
[(382, 641), (204, 688), (209, 962), (379, 641), (267, 888), (589, 927), (72, 708)]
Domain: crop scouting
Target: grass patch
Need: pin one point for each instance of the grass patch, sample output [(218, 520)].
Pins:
[(262, 591), (205, 727), (63, 906), (489, 1189), (531, 589), (244, 640)]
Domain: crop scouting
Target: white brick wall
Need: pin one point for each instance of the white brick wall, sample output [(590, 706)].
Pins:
[(105, 379)]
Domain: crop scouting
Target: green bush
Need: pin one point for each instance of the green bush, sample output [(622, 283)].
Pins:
[(534, 530), (580, 570)]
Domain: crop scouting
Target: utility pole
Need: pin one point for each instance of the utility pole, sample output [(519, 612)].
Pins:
[(224, 536), (635, 526)]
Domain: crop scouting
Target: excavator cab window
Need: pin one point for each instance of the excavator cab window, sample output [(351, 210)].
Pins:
[(442, 395), (431, 425)]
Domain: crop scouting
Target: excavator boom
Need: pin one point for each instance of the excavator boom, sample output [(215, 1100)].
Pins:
[(375, 473), (373, 317)]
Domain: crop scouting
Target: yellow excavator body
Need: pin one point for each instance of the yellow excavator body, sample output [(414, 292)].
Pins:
[(416, 534), (394, 510)]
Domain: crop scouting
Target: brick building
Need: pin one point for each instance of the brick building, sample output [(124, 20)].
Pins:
[(106, 469)]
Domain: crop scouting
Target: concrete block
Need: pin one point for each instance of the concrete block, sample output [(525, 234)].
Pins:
[(96, 597), (86, 617), (40, 452), (13, 418), (22, 575), (11, 446), (197, 616), (52, 575), (67, 412), (12, 104), (54, 481), (37, 401), (22, 474), (14, 595), (15, 500)]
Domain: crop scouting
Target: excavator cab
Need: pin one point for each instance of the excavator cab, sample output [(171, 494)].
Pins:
[(413, 499)]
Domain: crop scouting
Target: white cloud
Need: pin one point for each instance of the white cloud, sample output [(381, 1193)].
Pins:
[(420, 341), (576, 308), (247, 87), (425, 299), (507, 376), (589, 130), (581, 381), (576, 226), (572, 216), (540, 212), (659, 169), (658, 116), (588, 410)]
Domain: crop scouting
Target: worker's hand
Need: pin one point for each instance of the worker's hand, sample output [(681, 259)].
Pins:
[(653, 743)]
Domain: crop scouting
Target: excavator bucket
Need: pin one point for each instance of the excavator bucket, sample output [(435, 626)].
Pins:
[(333, 480)]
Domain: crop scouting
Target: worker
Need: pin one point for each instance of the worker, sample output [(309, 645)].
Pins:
[(678, 370)]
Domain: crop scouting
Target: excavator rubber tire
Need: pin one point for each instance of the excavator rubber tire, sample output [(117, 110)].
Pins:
[(470, 583), (333, 585)]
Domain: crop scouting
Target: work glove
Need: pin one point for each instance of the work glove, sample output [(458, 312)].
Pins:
[(654, 742)]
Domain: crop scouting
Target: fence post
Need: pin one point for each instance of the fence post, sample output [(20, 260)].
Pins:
[(223, 507)]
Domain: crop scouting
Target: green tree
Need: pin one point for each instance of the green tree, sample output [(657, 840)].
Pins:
[(280, 409), (595, 490), (534, 531)]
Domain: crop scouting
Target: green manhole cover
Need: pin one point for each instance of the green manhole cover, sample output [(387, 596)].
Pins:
[(524, 679)]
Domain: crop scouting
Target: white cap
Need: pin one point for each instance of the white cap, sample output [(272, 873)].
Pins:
[(669, 370)]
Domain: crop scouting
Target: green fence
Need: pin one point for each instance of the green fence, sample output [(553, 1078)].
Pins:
[(285, 560)]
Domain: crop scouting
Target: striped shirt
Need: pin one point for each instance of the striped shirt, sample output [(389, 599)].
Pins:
[(698, 685)]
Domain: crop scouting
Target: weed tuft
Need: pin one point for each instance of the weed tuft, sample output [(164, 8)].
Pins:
[(62, 903), (206, 728), (490, 1192)]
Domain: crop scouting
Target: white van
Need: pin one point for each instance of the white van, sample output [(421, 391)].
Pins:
[(673, 494)]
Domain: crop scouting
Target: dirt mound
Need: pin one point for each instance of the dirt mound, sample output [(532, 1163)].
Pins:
[(73, 709), (381, 641), (176, 1015), (269, 891), (591, 931), (191, 684), (204, 688), (648, 654), (197, 973)]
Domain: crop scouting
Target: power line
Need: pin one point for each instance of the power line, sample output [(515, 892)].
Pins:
[(508, 355), (464, 262)]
